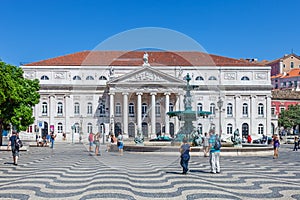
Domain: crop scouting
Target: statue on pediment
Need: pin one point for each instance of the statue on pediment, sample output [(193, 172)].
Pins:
[(145, 59)]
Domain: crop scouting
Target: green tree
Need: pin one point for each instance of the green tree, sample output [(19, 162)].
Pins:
[(291, 117), (17, 98)]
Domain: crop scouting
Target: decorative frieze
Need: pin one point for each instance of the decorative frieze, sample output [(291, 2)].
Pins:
[(260, 76), (230, 76), (59, 75), (29, 74)]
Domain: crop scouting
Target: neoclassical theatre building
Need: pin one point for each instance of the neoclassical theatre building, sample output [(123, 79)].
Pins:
[(124, 92)]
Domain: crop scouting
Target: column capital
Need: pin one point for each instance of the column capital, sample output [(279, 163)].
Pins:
[(112, 93), (153, 93), (167, 93), (125, 93), (139, 93)]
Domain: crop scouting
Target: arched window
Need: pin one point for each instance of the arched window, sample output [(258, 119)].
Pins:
[(212, 78), (102, 109), (245, 110), (90, 127), (245, 78), (260, 109), (229, 129), (200, 128), (44, 77), (44, 108), (171, 107), (212, 108), (59, 108), (260, 129), (76, 78), (229, 109), (59, 127), (118, 109), (89, 108), (76, 108), (157, 109), (102, 78), (199, 78), (90, 78), (131, 109), (144, 109), (199, 107), (76, 128), (245, 129)]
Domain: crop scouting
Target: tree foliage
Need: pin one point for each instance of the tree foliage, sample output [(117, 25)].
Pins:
[(291, 117), (17, 98)]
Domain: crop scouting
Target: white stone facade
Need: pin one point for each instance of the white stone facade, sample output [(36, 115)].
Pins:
[(136, 98)]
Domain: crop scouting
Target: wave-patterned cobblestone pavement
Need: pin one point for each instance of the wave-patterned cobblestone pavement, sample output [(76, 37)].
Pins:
[(71, 172)]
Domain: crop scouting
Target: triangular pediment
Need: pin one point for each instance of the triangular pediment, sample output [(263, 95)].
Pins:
[(147, 75)]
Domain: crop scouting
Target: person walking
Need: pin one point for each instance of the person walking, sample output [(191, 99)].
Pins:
[(91, 141), (206, 144), (14, 147), (214, 157), (52, 139), (97, 143), (296, 142), (120, 143), (276, 145), (185, 155)]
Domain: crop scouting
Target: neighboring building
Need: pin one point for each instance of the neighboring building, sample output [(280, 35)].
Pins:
[(281, 100), (287, 81), (113, 91), (284, 64)]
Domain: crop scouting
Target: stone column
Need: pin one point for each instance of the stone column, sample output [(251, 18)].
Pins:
[(253, 115), (268, 116), (177, 104), (139, 111), (237, 114), (111, 112), (52, 110), (67, 128), (125, 113), (167, 121), (153, 115)]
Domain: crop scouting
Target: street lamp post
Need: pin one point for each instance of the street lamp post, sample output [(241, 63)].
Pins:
[(73, 128), (220, 105), (80, 130)]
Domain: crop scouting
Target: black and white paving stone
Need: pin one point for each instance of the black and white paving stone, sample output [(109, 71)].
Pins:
[(69, 171)]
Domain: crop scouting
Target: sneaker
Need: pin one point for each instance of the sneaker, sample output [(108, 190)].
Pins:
[(212, 172)]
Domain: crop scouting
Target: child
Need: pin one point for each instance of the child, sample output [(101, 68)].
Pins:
[(185, 155)]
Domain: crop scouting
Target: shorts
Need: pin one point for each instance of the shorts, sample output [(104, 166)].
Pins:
[(120, 145), (15, 152), (91, 144), (97, 143)]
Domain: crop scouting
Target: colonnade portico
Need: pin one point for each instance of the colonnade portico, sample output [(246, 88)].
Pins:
[(137, 99)]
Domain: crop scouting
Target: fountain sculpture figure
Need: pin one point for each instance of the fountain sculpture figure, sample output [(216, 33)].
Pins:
[(188, 116)]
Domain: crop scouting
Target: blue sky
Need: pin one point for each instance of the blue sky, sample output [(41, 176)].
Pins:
[(33, 30)]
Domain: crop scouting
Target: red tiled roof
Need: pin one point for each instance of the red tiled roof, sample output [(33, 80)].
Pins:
[(135, 58), (292, 73)]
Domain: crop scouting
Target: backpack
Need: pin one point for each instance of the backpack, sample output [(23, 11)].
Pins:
[(217, 145), (18, 143)]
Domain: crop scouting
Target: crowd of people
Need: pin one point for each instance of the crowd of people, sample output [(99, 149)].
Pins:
[(209, 142)]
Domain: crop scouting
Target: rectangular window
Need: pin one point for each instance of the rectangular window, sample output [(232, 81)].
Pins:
[(90, 109), (273, 111), (118, 109)]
